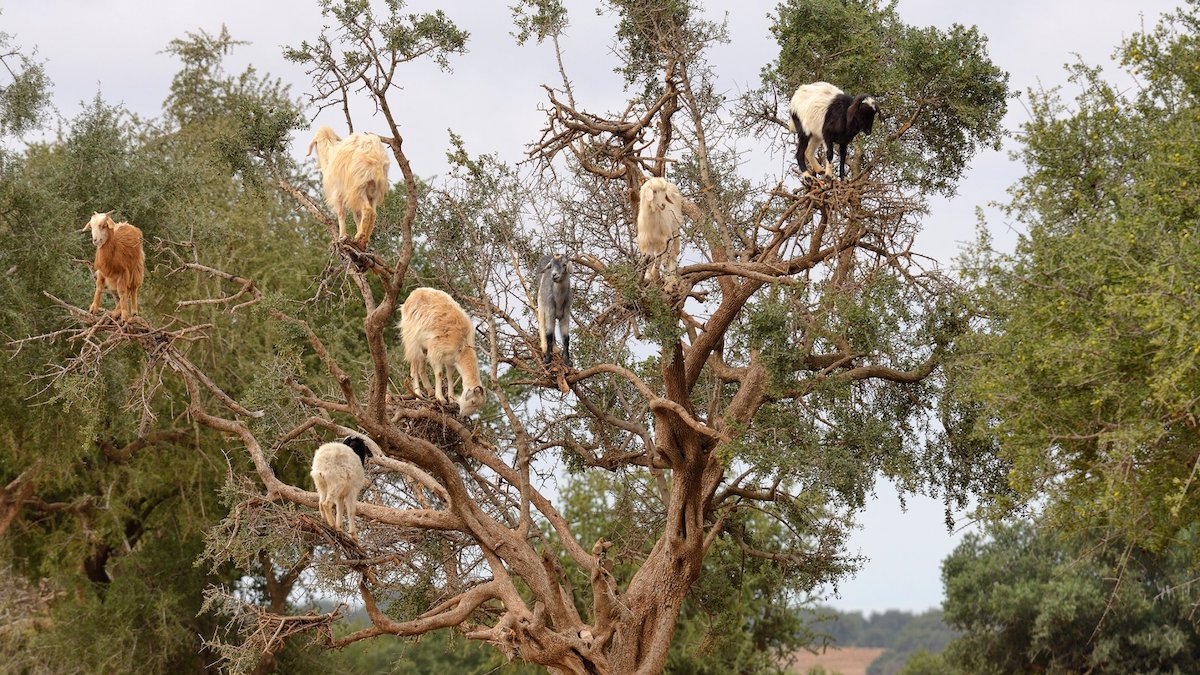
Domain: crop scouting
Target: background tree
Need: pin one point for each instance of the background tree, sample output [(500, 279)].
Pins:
[(108, 487), (1030, 599), (749, 404), (1084, 366), (1087, 365)]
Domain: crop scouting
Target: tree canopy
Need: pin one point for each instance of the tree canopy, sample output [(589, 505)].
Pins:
[(1083, 368), (1087, 364), (688, 484)]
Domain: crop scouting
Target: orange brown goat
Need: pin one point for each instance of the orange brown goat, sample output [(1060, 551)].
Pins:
[(120, 263)]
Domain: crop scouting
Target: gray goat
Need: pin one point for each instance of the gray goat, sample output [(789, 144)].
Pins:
[(554, 304)]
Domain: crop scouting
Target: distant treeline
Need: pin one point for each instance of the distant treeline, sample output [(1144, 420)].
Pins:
[(901, 633)]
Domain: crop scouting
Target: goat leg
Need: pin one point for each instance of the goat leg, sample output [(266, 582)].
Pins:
[(564, 327), (547, 343), (366, 225), (99, 289)]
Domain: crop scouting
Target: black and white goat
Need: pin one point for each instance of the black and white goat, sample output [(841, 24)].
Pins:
[(822, 112), (554, 304), (339, 473)]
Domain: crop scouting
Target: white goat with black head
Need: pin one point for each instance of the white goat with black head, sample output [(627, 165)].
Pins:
[(820, 112), (554, 304), (354, 173), (339, 473)]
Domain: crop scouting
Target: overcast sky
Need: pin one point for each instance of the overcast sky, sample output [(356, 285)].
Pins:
[(113, 47)]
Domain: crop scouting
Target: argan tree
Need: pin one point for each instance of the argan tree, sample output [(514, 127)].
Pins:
[(746, 404), (1087, 370)]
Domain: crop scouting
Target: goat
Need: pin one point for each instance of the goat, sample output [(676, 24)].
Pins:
[(822, 112), (554, 304), (660, 216), (436, 330), (120, 263), (339, 473), (354, 173)]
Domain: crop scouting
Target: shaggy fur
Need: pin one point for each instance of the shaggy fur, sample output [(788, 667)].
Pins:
[(554, 304), (660, 216), (822, 113), (120, 263), (354, 174), (339, 474), (435, 330)]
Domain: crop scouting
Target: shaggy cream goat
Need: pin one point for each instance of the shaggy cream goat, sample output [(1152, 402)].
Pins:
[(339, 474), (660, 216), (354, 172), (120, 263), (436, 330)]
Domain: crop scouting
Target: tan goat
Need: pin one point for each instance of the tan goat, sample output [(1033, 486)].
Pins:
[(120, 263), (354, 173), (435, 330)]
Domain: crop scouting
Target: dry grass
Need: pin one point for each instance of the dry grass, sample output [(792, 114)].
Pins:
[(844, 660)]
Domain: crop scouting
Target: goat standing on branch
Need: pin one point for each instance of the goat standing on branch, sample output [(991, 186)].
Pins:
[(554, 305), (338, 472), (354, 173), (659, 220), (435, 329), (120, 263), (822, 112)]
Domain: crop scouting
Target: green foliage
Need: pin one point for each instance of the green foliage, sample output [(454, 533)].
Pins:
[(1032, 599), (925, 663), (652, 33), (24, 90), (408, 37), (540, 18), (939, 86), (125, 487), (1087, 366)]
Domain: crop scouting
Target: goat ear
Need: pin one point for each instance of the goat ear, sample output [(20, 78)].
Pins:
[(852, 111), (311, 145), (108, 221)]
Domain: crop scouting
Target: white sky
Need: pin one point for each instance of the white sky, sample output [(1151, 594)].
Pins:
[(490, 99)]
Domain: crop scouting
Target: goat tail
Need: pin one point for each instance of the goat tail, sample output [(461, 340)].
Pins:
[(374, 191), (793, 122)]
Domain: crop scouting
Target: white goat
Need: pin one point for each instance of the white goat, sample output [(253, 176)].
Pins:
[(339, 474), (120, 263), (436, 330), (660, 215), (354, 172)]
